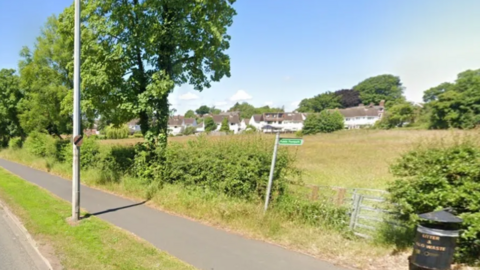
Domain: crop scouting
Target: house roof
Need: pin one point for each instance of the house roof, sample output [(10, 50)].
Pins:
[(232, 119), (359, 111), (258, 117), (133, 122), (175, 121), (246, 121), (189, 121)]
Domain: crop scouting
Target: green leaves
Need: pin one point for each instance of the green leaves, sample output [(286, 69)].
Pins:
[(434, 178), (324, 122), (456, 105), (10, 96), (383, 87)]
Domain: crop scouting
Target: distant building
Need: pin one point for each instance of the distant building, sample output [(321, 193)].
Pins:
[(233, 121), (362, 116), (134, 126), (177, 124), (284, 122)]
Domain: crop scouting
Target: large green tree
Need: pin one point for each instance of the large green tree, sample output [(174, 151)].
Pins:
[(10, 95), (46, 78), (190, 114), (458, 104), (383, 87), (247, 110), (202, 110), (158, 45), (318, 103)]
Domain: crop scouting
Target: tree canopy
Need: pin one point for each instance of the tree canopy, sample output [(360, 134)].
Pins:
[(247, 110), (155, 46), (190, 114), (456, 105), (383, 87), (209, 124), (10, 96), (320, 102)]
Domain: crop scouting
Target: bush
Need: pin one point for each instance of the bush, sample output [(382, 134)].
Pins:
[(113, 132), (299, 134), (189, 131), (444, 176), (43, 145), (138, 134), (324, 122), (237, 166), (115, 162), (15, 143)]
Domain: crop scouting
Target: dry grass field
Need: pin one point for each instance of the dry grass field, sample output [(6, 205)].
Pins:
[(351, 158)]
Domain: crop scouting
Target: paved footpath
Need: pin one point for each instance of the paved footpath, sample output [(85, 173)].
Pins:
[(15, 250), (200, 245)]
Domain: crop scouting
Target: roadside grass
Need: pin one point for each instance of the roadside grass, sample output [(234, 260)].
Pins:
[(93, 244), (240, 216)]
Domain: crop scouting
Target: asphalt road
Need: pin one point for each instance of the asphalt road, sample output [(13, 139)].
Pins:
[(15, 251), (202, 246)]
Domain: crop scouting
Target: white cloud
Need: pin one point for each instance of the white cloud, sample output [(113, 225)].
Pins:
[(287, 78), (220, 103), (240, 96), (189, 96), (268, 103)]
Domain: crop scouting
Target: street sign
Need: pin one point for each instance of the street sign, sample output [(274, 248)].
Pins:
[(290, 141), (78, 140)]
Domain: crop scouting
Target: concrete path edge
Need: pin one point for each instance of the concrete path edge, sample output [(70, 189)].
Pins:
[(16, 221)]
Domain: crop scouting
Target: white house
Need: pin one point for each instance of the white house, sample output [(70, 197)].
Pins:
[(233, 122), (361, 116), (175, 125), (285, 122), (134, 126)]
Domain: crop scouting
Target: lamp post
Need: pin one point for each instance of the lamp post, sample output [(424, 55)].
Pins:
[(76, 118)]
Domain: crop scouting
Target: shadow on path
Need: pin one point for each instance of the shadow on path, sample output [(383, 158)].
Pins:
[(113, 210)]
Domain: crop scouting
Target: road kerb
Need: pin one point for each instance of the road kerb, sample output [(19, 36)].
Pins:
[(27, 235)]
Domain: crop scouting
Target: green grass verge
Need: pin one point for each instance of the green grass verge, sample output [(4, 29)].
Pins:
[(93, 244)]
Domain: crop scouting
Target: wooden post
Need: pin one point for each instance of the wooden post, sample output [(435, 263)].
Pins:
[(341, 196), (314, 193)]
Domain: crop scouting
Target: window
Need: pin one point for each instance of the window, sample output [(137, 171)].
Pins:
[(371, 118)]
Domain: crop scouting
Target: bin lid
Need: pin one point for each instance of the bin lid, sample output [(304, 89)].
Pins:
[(441, 216)]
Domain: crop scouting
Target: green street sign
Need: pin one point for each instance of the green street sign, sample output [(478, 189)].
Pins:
[(291, 142)]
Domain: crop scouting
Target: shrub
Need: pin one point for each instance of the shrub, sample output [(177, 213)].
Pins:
[(324, 122), (115, 162), (443, 176), (138, 134), (209, 124), (237, 166), (15, 143), (299, 134), (43, 145), (113, 132), (189, 131), (225, 126)]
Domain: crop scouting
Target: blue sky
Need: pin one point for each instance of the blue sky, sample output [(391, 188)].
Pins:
[(283, 51)]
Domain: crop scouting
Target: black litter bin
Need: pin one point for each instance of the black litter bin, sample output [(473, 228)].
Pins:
[(435, 241)]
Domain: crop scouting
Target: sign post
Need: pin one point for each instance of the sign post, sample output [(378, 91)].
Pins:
[(278, 141), (76, 119)]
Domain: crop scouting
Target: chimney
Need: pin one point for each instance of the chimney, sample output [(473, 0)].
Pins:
[(361, 105), (382, 103), (371, 105)]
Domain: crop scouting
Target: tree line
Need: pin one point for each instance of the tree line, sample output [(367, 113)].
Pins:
[(133, 55), (448, 105)]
